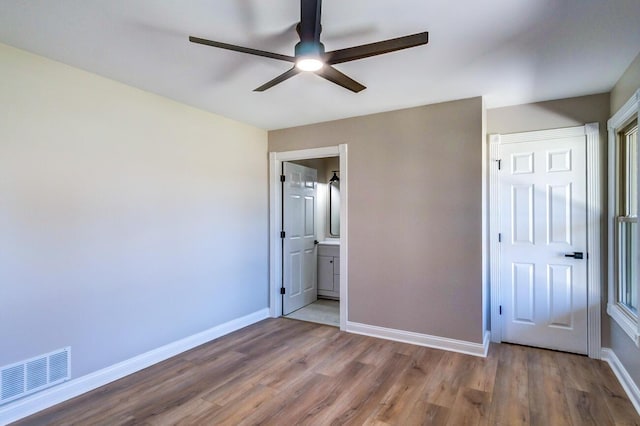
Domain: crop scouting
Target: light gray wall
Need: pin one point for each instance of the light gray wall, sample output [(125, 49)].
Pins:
[(415, 223), (625, 349), (128, 221)]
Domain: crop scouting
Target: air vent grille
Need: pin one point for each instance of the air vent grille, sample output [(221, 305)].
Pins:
[(34, 374), (12, 382), (58, 366)]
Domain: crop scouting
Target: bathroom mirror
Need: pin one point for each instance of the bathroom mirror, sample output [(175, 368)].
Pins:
[(334, 206)]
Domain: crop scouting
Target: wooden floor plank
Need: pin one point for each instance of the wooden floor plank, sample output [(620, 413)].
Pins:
[(470, 408), (364, 400), (618, 403), (510, 399), (349, 383), (282, 371), (588, 409), (547, 391), (452, 372), (403, 395), (424, 413)]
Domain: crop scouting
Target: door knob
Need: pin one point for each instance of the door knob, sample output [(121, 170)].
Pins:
[(575, 255)]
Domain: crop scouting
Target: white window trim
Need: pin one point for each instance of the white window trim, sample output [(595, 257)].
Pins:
[(627, 321)]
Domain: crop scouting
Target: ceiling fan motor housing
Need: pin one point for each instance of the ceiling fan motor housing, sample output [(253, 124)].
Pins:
[(309, 49)]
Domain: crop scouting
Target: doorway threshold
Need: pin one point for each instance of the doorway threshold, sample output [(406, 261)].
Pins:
[(321, 311)]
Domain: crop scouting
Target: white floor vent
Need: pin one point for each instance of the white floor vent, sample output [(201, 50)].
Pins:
[(29, 376)]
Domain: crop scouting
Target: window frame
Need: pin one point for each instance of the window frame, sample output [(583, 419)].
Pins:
[(621, 314)]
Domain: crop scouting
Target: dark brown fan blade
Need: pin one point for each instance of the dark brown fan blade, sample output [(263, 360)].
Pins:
[(378, 48), (310, 11), (242, 49), (335, 76), (279, 79)]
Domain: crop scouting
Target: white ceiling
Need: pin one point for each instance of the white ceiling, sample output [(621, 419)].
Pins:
[(510, 51)]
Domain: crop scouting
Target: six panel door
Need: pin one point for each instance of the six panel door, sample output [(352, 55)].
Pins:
[(299, 263), (543, 215)]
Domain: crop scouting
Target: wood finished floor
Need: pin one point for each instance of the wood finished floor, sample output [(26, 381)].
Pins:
[(287, 372)]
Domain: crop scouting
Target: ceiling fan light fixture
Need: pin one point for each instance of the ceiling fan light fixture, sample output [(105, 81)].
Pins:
[(309, 53), (309, 64)]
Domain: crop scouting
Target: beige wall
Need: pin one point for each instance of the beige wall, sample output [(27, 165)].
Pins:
[(550, 115), (415, 224), (128, 221), (627, 352), (628, 84)]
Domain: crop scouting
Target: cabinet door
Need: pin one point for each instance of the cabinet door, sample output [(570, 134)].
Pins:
[(325, 273)]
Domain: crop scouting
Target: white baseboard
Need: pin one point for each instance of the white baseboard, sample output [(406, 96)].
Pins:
[(486, 342), (453, 345), (623, 376), (55, 395)]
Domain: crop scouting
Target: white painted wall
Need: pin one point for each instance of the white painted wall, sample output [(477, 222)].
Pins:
[(127, 221)]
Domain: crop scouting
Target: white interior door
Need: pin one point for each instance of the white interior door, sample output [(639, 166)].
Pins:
[(299, 264), (543, 215)]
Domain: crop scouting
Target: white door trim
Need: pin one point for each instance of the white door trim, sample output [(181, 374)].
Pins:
[(594, 214), (275, 215)]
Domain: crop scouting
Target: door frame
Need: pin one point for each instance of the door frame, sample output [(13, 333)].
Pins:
[(594, 216), (275, 214)]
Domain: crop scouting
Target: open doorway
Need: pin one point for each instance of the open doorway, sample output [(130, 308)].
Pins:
[(326, 260), (311, 240)]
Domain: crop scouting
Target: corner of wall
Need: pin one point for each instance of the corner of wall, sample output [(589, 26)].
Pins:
[(625, 87), (485, 223), (623, 376)]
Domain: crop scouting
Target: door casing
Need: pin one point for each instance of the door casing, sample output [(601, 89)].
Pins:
[(594, 215), (275, 214)]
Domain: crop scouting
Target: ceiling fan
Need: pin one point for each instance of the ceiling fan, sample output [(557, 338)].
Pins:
[(309, 53)]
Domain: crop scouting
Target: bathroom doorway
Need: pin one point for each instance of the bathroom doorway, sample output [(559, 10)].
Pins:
[(328, 273), (311, 243)]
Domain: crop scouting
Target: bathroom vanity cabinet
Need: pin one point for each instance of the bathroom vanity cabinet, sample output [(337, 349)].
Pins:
[(329, 270)]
